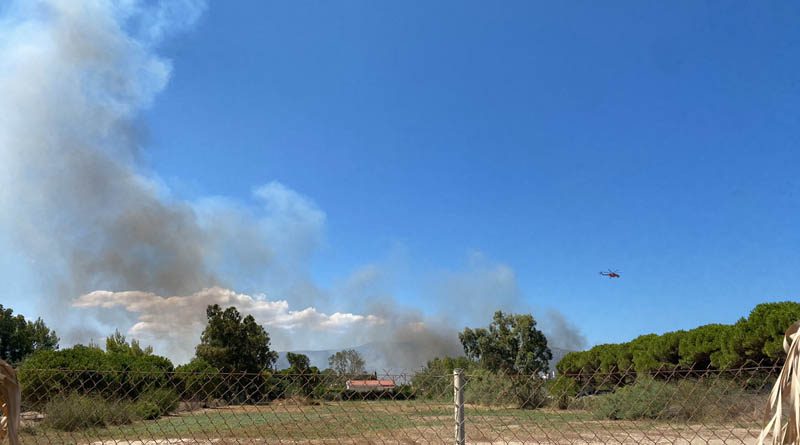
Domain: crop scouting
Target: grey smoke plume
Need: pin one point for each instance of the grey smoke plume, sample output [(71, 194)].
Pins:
[(73, 82), (77, 199)]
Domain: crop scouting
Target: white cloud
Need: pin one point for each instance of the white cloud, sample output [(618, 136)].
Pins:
[(174, 323)]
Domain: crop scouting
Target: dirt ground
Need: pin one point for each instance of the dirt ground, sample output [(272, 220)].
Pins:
[(400, 423)]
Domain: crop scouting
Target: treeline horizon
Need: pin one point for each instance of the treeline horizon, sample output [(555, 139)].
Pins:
[(755, 340)]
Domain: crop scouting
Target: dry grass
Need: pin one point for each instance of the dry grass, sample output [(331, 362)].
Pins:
[(386, 422)]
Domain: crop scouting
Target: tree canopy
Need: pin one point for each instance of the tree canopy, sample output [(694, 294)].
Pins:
[(755, 340), (299, 363), (347, 362), (20, 337), (511, 344), (117, 343), (232, 343)]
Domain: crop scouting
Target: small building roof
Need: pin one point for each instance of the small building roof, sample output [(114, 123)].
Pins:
[(372, 383)]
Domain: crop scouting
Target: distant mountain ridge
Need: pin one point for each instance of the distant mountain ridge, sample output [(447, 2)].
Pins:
[(374, 355)]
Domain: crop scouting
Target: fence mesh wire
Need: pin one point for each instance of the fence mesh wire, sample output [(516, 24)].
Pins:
[(672, 405)]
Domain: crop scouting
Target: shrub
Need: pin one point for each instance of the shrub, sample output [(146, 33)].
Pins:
[(274, 386), (165, 400), (645, 399), (332, 393), (76, 412), (198, 380), (87, 369), (404, 392), (487, 388), (435, 380), (563, 391), (147, 410), (720, 399)]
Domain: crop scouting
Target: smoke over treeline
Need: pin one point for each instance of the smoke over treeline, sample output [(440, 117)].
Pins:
[(109, 244)]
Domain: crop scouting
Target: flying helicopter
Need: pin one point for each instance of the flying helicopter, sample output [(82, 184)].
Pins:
[(610, 273)]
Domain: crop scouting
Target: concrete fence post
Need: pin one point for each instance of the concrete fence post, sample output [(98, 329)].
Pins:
[(458, 399)]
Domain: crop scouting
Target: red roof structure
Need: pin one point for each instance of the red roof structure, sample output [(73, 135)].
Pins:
[(370, 385)]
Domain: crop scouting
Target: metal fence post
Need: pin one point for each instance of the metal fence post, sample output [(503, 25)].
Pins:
[(458, 399)]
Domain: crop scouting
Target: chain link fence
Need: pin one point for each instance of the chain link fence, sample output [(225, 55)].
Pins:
[(467, 407)]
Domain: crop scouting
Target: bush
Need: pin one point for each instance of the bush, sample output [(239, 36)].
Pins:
[(198, 380), (435, 380), (645, 399), (165, 401), (76, 412), (689, 399), (563, 391), (331, 394), (87, 369), (404, 392), (147, 410), (487, 388)]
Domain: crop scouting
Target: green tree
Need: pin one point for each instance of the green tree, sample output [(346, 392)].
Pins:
[(118, 344), (652, 353), (232, 343), (303, 378), (240, 348), (700, 347), (298, 363), (20, 337), (764, 329), (511, 344), (347, 362)]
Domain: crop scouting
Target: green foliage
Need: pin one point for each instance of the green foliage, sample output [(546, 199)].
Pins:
[(232, 343), (434, 381), (701, 347), (198, 380), (47, 373), (563, 390), (761, 334), (347, 362), (404, 392), (331, 393), (298, 363), (511, 344), (689, 399), (656, 352), (75, 412), (484, 387), (300, 378), (118, 344), (757, 339), (146, 410), (165, 400), (646, 399), (20, 337), (274, 386)]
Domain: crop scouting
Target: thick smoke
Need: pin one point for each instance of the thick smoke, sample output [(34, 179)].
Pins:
[(73, 83), (78, 200)]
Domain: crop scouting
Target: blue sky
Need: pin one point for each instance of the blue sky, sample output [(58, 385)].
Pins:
[(557, 139)]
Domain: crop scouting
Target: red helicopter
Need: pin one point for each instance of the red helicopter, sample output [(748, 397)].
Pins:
[(610, 273)]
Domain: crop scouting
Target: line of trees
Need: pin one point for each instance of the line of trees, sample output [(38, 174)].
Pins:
[(505, 359), (756, 340), (233, 362)]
